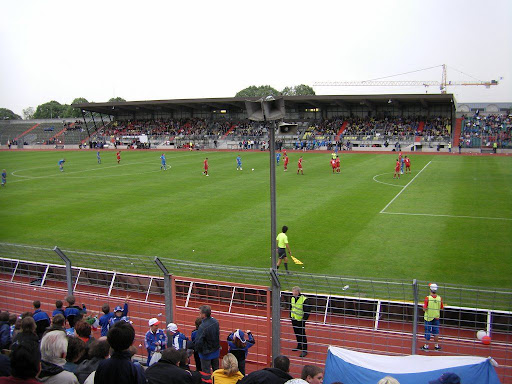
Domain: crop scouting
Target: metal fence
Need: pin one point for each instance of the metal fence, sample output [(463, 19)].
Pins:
[(380, 316)]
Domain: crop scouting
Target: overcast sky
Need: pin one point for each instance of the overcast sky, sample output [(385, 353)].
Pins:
[(145, 50)]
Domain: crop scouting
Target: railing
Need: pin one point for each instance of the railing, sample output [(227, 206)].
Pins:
[(376, 315)]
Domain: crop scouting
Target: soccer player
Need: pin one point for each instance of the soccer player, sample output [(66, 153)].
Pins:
[(205, 163), (61, 166), (164, 165), (299, 166), (402, 163), (407, 165), (333, 165), (238, 163), (397, 169), (4, 177), (286, 160), (118, 155), (282, 246), (338, 170), (278, 157), (98, 157)]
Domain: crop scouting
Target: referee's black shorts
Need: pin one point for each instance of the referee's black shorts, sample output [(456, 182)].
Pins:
[(281, 252)]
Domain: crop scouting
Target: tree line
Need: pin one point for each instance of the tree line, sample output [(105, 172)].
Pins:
[(267, 90), (50, 110)]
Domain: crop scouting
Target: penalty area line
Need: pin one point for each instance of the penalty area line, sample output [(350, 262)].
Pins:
[(453, 216), (404, 188)]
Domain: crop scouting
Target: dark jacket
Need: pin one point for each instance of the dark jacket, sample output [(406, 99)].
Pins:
[(5, 335), (266, 376), (86, 367), (119, 369), (207, 336), (165, 372), (26, 337), (5, 366)]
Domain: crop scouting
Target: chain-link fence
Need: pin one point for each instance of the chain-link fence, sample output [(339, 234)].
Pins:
[(379, 316)]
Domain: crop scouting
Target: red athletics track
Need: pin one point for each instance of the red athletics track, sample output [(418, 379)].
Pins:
[(257, 150), (358, 334)]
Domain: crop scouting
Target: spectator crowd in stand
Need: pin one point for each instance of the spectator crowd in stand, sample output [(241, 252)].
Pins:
[(485, 130), (62, 350)]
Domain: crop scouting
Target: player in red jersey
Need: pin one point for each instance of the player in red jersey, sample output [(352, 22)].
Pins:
[(397, 169), (333, 165), (286, 160), (118, 155), (205, 167), (337, 161), (407, 164), (284, 152), (299, 166)]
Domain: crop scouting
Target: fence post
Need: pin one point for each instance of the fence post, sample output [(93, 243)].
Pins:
[(276, 314), (168, 292), (415, 319), (69, 276)]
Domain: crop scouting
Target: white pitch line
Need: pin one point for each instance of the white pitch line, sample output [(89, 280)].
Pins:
[(454, 216), (403, 189), (382, 182)]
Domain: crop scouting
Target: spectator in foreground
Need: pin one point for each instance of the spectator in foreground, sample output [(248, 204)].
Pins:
[(25, 364), (239, 346), (207, 341), (28, 332), (75, 353), (276, 375), (5, 365), (57, 323), (104, 320), (155, 339), (312, 374), (176, 339), (166, 370), (58, 309), (120, 368), (83, 331), (193, 335), (54, 346), (41, 318), (447, 378), (388, 380), (229, 373), (5, 331), (98, 351)]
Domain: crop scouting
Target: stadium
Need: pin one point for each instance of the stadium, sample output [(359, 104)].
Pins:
[(345, 237)]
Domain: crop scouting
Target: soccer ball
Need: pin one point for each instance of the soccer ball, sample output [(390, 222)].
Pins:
[(253, 169)]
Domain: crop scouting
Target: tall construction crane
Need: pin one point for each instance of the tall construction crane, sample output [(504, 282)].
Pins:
[(404, 83)]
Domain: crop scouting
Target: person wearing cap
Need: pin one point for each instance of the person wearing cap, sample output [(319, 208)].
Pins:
[(104, 319), (176, 339), (239, 346), (155, 339), (432, 308), (120, 314), (299, 313), (447, 378)]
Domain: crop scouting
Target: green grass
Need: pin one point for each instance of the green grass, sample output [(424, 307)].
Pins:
[(334, 220)]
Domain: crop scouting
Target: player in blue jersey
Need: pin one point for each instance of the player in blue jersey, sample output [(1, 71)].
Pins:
[(402, 163), (238, 163), (4, 177), (164, 165), (98, 157), (278, 157), (61, 164)]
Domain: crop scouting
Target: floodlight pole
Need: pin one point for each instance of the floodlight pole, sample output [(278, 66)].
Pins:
[(276, 287)]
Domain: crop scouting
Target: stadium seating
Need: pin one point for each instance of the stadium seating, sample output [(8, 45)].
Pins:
[(482, 131)]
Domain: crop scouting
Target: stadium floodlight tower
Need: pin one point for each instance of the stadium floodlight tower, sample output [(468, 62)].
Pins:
[(271, 109)]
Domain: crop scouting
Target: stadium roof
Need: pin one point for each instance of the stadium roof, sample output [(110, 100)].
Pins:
[(238, 103)]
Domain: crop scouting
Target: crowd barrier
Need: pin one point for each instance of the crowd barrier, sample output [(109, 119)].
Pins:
[(361, 314)]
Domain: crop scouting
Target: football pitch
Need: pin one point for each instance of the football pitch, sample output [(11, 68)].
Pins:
[(450, 220)]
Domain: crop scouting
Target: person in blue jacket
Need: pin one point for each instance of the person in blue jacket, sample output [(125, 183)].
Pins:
[(58, 309), (41, 318), (73, 312), (104, 320), (239, 346), (155, 340), (119, 315), (176, 339)]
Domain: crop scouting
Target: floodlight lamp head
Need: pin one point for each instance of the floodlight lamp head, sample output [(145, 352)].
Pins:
[(269, 98)]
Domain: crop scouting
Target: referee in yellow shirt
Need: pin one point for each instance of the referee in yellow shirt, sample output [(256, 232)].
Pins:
[(282, 245)]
